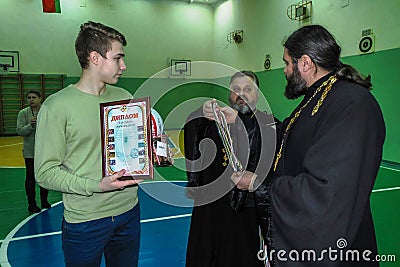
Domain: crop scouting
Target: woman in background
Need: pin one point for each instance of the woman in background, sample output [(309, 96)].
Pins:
[(26, 127)]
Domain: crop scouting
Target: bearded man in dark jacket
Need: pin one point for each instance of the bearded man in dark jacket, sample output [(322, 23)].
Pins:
[(315, 204), (224, 230)]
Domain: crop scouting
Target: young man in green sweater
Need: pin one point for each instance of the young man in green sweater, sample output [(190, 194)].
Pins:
[(101, 214)]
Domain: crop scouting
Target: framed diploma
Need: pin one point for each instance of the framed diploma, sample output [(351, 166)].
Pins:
[(126, 138)]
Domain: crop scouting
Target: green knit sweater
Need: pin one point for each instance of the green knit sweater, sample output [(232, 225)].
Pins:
[(68, 154)]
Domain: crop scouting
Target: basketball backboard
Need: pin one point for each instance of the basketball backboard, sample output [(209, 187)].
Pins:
[(181, 67), (10, 59)]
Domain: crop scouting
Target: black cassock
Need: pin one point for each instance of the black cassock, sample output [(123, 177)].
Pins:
[(224, 228), (317, 204)]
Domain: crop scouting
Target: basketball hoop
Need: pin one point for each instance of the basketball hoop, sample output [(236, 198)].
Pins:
[(180, 68), (4, 69), (183, 73)]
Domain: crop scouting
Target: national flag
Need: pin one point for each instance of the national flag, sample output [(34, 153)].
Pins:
[(51, 6)]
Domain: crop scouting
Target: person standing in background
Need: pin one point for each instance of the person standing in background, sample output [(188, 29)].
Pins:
[(26, 127)]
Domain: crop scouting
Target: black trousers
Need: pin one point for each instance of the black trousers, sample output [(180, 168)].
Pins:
[(30, 185)]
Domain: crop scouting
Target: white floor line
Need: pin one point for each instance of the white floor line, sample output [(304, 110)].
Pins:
[(34, 236), (12, 167), (385, 189), (16, 144), (166, 218), (9, 238), (12, 191), (392, 169), (4, 243), (59, 232)]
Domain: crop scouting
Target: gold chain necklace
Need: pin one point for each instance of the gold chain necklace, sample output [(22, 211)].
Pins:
[(328, 87)]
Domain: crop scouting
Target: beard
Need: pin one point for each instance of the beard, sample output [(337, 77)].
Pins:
[(242, 108), (296, 86)]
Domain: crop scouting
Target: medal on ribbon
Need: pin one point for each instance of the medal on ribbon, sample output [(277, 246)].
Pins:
[(226, 138)]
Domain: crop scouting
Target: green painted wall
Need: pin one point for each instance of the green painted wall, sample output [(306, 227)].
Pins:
[(155, 31), (265, 25), (385, 90)]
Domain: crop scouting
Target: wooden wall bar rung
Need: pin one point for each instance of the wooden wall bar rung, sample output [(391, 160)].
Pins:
[(13, 89)]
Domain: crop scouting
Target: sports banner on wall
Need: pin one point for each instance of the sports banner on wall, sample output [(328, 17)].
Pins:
[(51, 6)]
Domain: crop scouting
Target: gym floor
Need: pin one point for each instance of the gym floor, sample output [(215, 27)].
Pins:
[(35, 240)]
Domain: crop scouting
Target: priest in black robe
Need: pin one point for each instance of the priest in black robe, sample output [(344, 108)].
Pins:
[(224, 230), (315, 204)]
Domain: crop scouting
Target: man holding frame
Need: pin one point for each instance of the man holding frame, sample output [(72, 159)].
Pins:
[(101, 214)]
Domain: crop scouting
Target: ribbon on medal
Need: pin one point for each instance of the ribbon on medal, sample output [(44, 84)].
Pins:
[(226, 138)]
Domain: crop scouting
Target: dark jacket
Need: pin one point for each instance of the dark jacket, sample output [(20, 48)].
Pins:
[(205, 168), (320, 192)]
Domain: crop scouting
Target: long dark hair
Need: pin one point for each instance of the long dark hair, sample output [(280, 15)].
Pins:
[(320, 45)]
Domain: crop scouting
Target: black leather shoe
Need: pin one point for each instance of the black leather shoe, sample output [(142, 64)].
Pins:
[(33, 209), (46, 205)]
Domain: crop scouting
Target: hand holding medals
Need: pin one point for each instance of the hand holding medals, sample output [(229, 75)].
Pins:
[(226, 138)]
